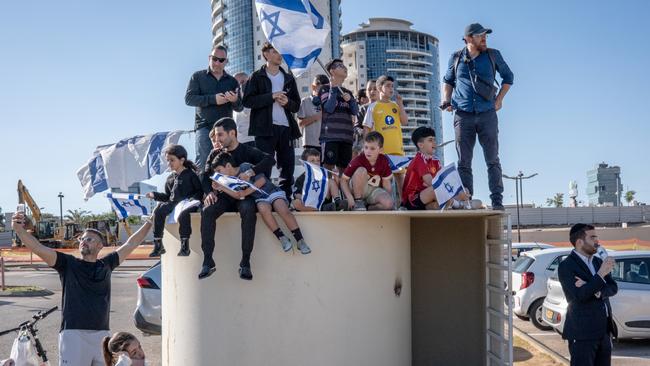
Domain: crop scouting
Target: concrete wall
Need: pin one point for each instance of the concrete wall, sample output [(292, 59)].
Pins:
[(339, 304), (571, 215)]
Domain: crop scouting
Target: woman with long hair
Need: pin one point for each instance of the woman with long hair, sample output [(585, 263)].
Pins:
[(122, 349)]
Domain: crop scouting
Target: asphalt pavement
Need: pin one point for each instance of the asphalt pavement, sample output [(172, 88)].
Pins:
[(15, 310), (624, 353)]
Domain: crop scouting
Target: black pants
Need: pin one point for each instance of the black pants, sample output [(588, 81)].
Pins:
[(209, 216), (280, 146), (160, 214), (596, 352)]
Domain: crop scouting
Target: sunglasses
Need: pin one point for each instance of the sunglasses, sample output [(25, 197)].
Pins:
[(85, 239), (218, 59)]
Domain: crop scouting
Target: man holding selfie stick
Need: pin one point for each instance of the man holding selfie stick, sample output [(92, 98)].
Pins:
[(214, 94), (471, 76), (86, 283), (272, 95)]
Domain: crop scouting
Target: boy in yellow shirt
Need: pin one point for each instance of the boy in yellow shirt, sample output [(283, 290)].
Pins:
[(387, 117)]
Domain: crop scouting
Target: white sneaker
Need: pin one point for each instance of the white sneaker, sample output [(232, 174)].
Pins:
[(286, 243)]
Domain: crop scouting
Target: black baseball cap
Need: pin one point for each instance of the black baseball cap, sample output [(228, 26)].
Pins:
[(475, 29)]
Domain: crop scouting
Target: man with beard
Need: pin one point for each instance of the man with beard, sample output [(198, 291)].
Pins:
[(86, 284), (471, 76), (587, 284)]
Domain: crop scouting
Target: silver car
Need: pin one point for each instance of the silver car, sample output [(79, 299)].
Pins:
[(148, 314), (518, 248), (529, 274), (630, 306)]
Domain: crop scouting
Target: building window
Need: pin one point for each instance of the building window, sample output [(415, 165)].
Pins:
[(361, 66)]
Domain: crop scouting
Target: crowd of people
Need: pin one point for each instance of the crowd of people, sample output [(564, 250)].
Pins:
[(247, 124)]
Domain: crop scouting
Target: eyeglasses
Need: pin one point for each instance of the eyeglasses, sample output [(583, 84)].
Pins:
[(218, 59), (85, 239), (339, 65)]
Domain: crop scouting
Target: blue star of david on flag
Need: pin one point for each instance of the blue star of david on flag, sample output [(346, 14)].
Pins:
[(314, 190), (272, 19), (447, 184), (296, 30), (126, 205)]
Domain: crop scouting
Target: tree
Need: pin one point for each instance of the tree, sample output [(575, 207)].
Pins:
[(629, 197), (557, 200), (78, 216)]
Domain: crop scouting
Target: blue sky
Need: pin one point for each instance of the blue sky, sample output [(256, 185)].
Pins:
[(77, 74)]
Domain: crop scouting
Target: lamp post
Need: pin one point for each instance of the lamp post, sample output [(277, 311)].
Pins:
[(519, 193), (61, 207)]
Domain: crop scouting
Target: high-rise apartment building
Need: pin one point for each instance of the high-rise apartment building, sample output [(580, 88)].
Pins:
[(604, 187), (386, 46)]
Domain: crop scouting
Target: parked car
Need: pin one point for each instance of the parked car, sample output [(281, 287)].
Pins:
[(148, 315), (529, 274), (630, 306), (518, 248)]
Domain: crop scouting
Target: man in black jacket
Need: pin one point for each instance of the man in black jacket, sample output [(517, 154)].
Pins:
[(587, 285), (272, 95), (214, 94), (216, 203)]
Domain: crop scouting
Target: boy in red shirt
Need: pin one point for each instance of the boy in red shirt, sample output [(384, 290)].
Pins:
[(417, 192), (367, 181)]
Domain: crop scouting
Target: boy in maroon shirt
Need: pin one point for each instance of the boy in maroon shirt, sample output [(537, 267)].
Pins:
[(417, 192), (367, 181)]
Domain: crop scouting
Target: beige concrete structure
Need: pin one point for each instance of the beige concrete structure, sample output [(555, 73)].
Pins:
[(390, 288)]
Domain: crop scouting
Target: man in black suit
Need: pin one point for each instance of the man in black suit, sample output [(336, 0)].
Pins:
[(587, 285)]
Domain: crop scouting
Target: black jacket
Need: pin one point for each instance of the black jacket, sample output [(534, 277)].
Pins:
[(201, 93), (259, 98), (181, 186), (260, 160), (586, 318)]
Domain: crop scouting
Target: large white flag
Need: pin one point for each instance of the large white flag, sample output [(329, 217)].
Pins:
[(295, 29), (234, 183), (128, 161), (314, 190), (126, 205), (447, 184)]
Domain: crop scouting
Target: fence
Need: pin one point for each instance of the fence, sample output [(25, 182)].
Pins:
[(572, 215)]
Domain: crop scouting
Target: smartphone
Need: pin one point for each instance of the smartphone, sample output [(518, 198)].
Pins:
[(21, 208)]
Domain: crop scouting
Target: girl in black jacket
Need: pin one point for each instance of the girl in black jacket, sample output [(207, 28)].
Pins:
[(183, 183)]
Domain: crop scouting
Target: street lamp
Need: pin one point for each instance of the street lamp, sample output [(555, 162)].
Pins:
[(61, 207), (519, 192)]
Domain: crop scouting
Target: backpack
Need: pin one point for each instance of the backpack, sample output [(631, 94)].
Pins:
[(490, 52)]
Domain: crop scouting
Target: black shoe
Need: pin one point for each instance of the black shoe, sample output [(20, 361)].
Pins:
[(185, 248), (245, 273), (498, 207), (328, 207), (158, 248), (206, 271)]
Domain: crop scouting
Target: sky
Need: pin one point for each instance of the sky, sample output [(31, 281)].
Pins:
[(75, 74)]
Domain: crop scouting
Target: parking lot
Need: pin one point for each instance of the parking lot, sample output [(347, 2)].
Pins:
[(627, 353)]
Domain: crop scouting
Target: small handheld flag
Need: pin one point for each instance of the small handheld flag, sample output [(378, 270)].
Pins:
[(126, 205), (447, 184), (314, 190), (397, 162), (233, 183)]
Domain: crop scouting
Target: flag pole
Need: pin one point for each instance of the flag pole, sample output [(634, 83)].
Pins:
[(323, 67)]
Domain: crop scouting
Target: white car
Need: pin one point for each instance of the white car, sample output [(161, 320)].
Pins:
[(529, 274), (630, 306), (148, 312), (518, 248)]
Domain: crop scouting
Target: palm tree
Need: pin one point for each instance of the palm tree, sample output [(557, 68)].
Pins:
[(557, 200), (77, 216), (629, 197)]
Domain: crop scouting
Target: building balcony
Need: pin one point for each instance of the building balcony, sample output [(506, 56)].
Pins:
[(413, 80), (217, 23), (413, 90), (415, 99), (409, 61), (409, 52), (418, 109), (410, 70)]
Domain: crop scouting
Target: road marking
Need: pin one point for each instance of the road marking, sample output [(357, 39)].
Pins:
[(631, 357)]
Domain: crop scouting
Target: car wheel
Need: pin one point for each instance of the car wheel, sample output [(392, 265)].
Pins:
[(535, 314), (522, 317)]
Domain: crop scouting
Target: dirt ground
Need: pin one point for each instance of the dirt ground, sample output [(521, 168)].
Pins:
[(525, 354)]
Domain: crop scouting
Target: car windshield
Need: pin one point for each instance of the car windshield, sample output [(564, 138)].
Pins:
[(522, 264)]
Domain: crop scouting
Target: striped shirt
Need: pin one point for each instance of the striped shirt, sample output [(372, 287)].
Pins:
[(337, 123)]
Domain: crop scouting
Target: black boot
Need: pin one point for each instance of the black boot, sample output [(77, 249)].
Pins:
[(158, 248), (185, 247)]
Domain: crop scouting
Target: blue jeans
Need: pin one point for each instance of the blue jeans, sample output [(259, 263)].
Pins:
[(203, 146), (485, 125)]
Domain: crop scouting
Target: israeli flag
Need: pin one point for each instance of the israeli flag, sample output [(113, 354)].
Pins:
[(315, 188), (295, 29), (397, 162), (233, 183), (125, 162), (183, 205), (447, 184), (126, 205)]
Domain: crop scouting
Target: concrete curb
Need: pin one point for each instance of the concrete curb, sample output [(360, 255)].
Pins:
[(541, 347)]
